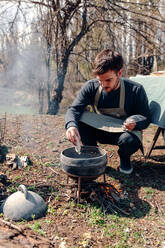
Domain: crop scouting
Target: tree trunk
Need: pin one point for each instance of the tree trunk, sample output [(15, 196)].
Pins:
[(48, 74), (41, 99), (56, 98)]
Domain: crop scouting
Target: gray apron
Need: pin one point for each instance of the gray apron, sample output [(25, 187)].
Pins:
[(108, 119)]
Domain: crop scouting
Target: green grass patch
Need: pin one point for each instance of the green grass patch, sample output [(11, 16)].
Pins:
[(149, 192), (36, 227)]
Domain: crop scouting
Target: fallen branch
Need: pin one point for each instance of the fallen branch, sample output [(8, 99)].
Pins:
[(53, 171), (12, 226)]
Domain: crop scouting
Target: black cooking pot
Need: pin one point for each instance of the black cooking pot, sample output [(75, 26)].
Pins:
[(91, 162)]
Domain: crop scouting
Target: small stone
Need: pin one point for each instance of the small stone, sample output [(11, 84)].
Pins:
[(55, 150), (87, 235), (74, 221), (63, 244), (56, 238), (17, 162), (24, 161)]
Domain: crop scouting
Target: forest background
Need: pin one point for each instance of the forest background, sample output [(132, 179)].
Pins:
[(47, 47)]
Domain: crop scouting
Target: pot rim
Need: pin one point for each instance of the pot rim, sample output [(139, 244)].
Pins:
[(80, 159)]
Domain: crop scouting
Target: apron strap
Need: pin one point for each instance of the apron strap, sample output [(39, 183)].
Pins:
[(122, 94), (97, 96)]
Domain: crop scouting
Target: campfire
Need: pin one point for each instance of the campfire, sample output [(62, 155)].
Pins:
[(107, 196), (84, 168)]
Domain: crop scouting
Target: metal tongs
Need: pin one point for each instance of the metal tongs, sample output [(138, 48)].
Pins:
[(77, 147)]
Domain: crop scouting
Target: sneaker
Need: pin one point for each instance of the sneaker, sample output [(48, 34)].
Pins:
[(126, 171)]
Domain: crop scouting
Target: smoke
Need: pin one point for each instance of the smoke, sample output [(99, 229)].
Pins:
[(20, 79), (22, 61)]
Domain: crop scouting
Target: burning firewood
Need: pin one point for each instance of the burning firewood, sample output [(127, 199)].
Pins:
[(106, 195)]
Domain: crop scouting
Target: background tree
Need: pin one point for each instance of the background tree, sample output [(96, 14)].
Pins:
[(72, 32)]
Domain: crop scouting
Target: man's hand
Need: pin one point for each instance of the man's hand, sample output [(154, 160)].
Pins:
[(129, 125), (71, 134)]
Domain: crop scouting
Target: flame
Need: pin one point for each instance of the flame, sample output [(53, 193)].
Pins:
[(107, 189)]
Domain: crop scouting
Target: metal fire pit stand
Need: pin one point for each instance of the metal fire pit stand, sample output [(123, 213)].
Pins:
[(80, 180)]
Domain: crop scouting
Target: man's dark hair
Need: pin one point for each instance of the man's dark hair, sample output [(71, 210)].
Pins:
[(107, 60)]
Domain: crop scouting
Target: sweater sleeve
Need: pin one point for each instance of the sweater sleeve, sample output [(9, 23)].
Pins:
[(142, 115), (85, 97)]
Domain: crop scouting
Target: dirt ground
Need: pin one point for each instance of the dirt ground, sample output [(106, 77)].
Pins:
[(68, 224)]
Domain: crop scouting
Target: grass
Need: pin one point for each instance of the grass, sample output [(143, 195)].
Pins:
[(36, 227), (12, 189), (49, 176), (32, 188), (96, 217), (51, 210), (50, 144), (48, 221), (52, 164), (117, 229), (16, 178), (149, 192)]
